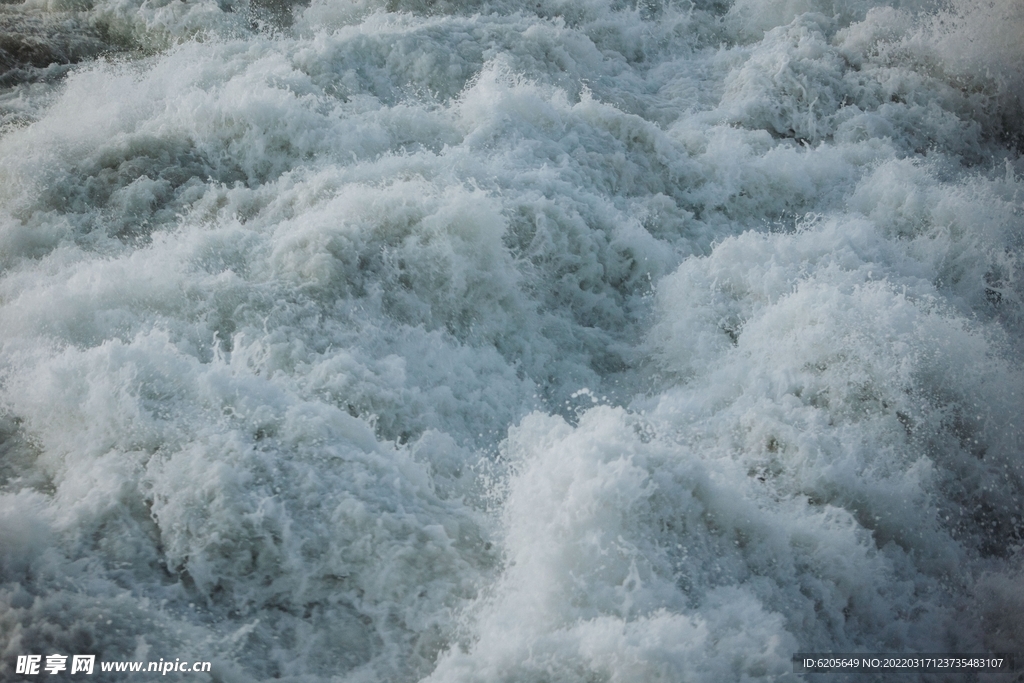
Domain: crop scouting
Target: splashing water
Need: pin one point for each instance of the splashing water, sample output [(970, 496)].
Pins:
[(570, 340)]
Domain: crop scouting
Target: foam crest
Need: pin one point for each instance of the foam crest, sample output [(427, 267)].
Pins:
[(474, 341)]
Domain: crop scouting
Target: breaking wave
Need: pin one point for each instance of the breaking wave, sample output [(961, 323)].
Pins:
[(568, 340)]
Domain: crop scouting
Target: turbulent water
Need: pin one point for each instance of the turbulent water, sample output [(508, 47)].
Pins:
[(495, 340)]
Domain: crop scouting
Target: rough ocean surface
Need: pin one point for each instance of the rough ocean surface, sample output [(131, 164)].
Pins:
[(525, 341)]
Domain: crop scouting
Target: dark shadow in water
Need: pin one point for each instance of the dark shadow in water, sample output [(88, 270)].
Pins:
[(32, 41), (273, 15)]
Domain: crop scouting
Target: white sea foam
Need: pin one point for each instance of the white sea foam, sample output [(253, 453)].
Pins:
[(562, 341)]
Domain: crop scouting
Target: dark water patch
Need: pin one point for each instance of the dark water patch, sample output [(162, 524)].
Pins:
[(30, 42)]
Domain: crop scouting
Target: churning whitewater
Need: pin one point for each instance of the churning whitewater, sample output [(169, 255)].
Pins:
[(501, 340)]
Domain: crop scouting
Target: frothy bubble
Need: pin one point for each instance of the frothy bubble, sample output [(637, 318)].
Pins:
[(577, 340)]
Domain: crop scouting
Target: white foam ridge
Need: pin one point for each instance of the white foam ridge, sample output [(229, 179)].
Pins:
[(479, 340)]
